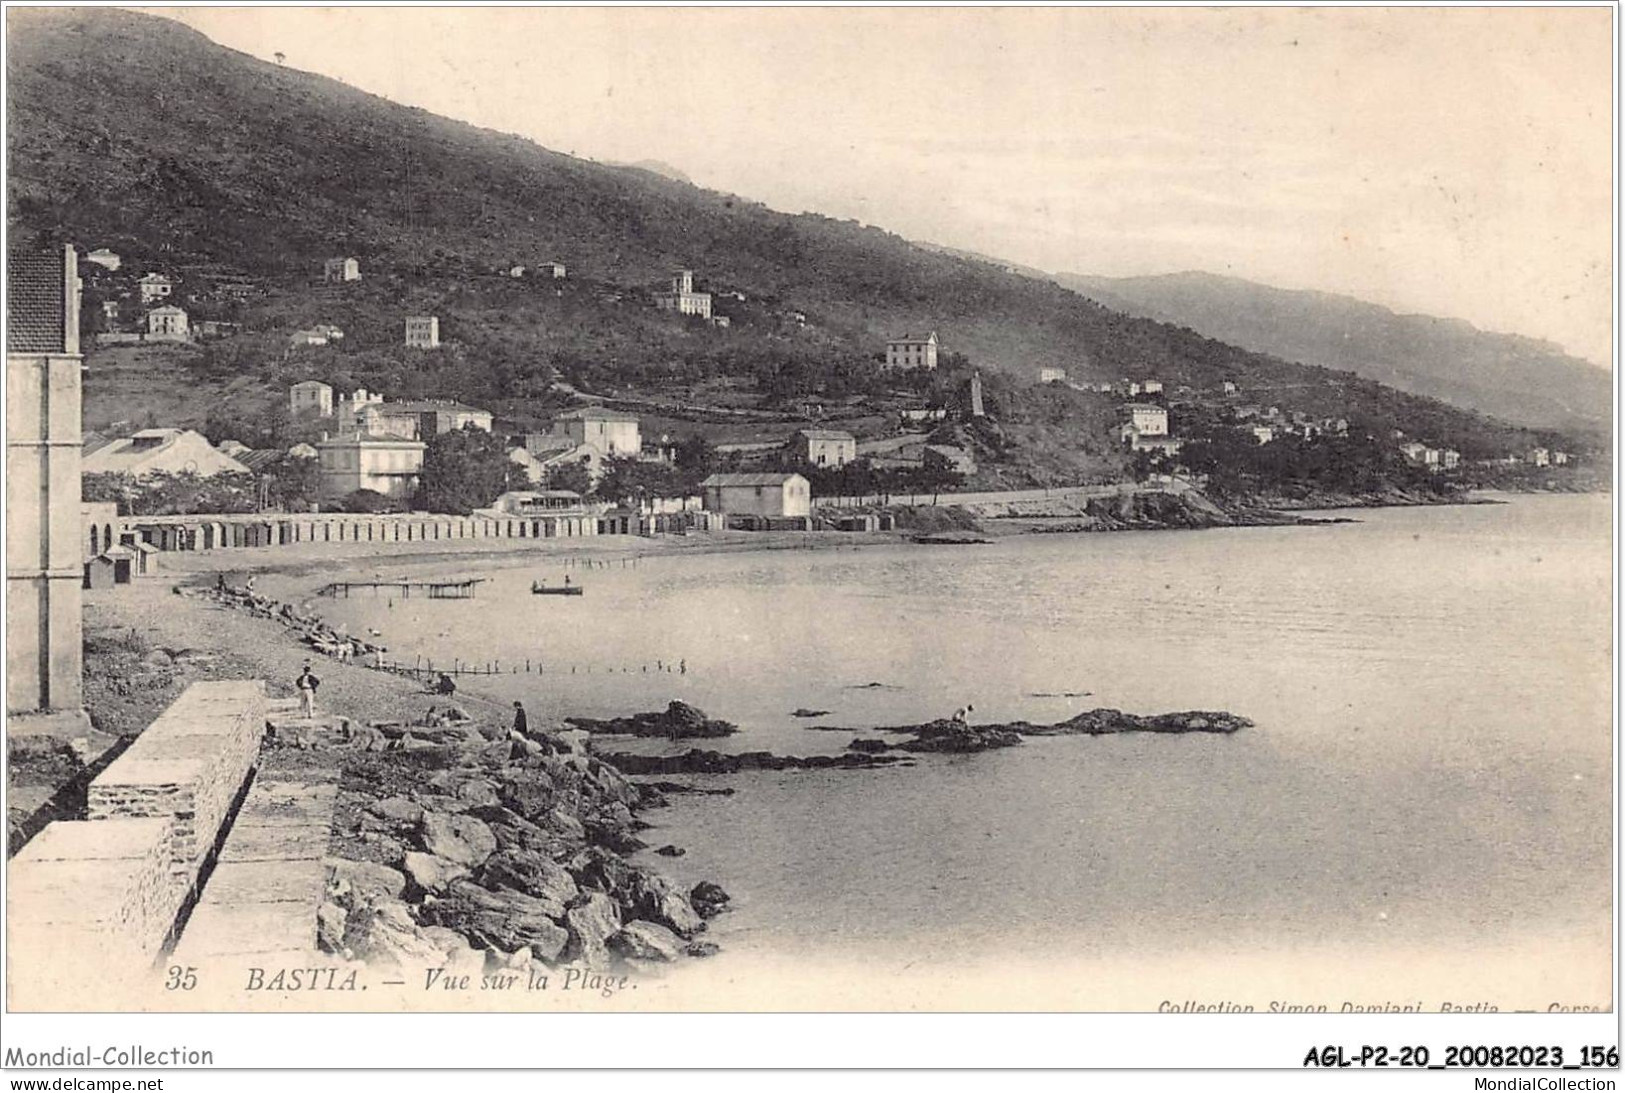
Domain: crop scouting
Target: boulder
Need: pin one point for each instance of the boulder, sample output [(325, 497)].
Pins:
[(709, 899), (591, 921), (400, 810), (507, 919), (678, 721), (386, 934), (651, 897), (476, 792), (530, 873), (365, 881), (563, 824), (429, 873), (529, 793), (465, 840), (648, 941), (330, 920)]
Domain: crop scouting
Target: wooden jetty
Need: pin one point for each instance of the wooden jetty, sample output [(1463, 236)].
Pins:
[(437, 590)]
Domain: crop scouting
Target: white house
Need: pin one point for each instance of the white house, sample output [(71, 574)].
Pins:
[(312, 397), (155, 286), (105, 258), (168, 324), (1052, 375), (912, 351), (1263, 434), (1538, 457), (609, 431), (386, 465), (422, 332), (824, 447), (554, 270), (1147, 418), (682, 298), (763, 494), (1151, 387), (155, 451), (341, 269)]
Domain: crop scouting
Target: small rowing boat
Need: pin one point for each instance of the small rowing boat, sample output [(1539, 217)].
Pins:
[(539, 589)]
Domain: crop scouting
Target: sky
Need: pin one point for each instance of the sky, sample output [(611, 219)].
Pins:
[(1454, 162)]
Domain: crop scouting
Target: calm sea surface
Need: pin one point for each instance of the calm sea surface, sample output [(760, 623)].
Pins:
[(1423, 810)]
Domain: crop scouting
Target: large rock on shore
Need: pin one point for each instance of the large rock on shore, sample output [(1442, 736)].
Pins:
[(591, 922), (387, 934), (679, 721), (458, 838), (646, 941), (363, 882), (507, 920), (530, 873)]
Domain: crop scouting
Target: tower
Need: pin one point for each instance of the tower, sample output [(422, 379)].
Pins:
[(976, 395)]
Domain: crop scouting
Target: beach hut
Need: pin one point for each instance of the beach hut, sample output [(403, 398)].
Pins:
[(144, 557), (103, 572)]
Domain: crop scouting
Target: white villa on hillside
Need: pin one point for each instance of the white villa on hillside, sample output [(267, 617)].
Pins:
[(168, 324), (422, 332), (311, 398), (823, 447), (341, 269), (911, 351), (682, 298)]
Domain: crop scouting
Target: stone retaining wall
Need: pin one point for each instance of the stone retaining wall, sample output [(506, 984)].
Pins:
[(189, 765)]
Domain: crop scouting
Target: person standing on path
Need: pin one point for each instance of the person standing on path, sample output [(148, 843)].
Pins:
[(307, 684), (521, 723)]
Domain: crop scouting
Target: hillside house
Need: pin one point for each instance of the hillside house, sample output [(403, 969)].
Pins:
[(110, 312), (609, 431), (155, 287), (1560, 459), (1420, 455), (153, 451), (771, 495), (302, 338), (554, 270), (540, 503), (350, 409), (912, 351), (1146, 419), (419, 419), (168, 324), (1150, 387), (914, 414), (105, 258), (339, 270), (516, 272), (1052, 375), (823, 447), (682, 298), (1228, 388), (217, 328), (1538, 457), (422, 332), (1449, 459), (312, 398), (388, 465)]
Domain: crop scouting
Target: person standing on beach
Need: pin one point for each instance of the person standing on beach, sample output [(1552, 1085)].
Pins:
[(521, 723), (307, 684)]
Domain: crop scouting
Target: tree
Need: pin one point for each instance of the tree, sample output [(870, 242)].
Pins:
[(629, 480), (463, 470), (575, 477)]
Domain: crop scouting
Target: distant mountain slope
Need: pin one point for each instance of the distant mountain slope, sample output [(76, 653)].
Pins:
[(137, 133), (1518, 379)]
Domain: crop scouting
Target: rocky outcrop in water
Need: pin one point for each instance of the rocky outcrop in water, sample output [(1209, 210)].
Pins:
[(1104, 721), (678, 721), (699, 761)]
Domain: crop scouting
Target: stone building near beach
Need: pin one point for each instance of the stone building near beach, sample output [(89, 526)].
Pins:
[(823, 447), (764, 494)]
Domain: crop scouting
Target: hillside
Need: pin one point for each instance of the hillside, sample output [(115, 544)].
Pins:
[(135, 133), (1518, 379)]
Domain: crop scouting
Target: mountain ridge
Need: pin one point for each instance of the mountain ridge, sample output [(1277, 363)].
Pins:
[(1443, 357), (137, 133)]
